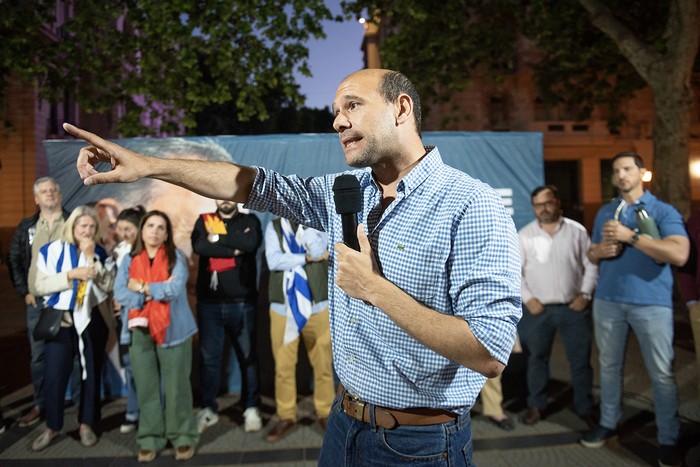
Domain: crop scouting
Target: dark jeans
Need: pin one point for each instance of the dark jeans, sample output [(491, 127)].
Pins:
[(537, 333), (60, 352), (36, 366), (238, 320), (350, 442)]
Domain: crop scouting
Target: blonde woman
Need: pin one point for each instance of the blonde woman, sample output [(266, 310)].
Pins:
[(75, 274)]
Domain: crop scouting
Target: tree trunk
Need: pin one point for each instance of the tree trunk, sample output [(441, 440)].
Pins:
[(671, 182)]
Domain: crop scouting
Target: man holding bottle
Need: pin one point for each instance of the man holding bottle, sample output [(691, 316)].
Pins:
[(635, 290)]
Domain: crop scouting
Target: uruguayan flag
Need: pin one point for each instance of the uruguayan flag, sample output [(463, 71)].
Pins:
[(297, 299), (56, 257)]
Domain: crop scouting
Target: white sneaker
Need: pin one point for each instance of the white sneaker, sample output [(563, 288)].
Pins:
[(206, 417), (128, 426), (252, 421)]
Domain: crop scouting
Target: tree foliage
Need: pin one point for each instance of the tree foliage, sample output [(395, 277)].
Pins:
[(589, 53), (442, 46), (169, 59), (577, 67), (284, 117)]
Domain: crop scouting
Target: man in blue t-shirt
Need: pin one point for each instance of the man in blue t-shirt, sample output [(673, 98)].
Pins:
[(635, 290)]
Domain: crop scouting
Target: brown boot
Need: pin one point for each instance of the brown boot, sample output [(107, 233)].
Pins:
[(531, 416), (281, 429), (31, 417)]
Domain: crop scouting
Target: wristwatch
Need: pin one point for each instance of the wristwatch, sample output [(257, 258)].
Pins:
[(141, 287), (587, 296), (634, 239)]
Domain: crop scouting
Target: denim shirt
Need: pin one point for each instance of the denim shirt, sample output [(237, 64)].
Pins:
[(182, 323)]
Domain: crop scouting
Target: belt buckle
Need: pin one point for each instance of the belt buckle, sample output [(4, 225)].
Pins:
[(357, 408)]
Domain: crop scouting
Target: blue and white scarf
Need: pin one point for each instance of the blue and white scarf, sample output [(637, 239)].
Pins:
[(297, 299), (57, 257)]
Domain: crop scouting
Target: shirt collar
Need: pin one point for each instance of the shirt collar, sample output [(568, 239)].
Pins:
[(645, 199), (413, 179)]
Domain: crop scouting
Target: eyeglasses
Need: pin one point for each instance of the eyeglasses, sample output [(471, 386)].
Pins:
[(543, 205)]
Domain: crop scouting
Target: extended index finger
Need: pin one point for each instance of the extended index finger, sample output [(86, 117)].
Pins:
[(85, 135)]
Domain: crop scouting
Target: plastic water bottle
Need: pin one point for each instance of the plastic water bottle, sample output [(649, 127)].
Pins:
[(646, 223)]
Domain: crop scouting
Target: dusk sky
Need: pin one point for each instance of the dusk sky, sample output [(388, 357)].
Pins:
[(332, 59)]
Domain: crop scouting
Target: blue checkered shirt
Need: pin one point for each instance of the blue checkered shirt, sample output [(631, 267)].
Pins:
[(447, 241)]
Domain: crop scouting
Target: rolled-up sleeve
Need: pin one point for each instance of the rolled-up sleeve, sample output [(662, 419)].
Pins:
[(486, 274)]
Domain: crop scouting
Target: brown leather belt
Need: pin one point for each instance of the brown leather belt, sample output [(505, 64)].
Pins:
[(391, 418)]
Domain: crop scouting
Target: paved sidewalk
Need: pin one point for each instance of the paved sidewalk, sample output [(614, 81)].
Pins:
[(552, 442)]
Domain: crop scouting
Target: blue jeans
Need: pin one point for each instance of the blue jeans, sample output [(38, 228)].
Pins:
[(538, 332), (653, 326), (132, 402), (350, 442), (238, 320)]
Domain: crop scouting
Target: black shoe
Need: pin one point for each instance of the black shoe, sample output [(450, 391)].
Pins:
[(506, 424), (668, 456), (596, 437)]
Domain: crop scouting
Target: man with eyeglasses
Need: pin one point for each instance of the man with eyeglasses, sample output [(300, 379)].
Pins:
[(557, 282)]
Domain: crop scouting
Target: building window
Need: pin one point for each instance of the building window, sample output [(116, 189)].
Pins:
[(561, 112), (498, 113), (607, 190)]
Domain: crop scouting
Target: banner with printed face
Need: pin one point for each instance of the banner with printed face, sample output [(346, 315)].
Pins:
[(510, 162)]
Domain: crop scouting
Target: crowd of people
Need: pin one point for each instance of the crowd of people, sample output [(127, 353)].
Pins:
[(420, 318), (137, 289)]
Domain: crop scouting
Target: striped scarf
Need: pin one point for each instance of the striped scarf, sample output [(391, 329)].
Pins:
[(297, 300), (79, 300)]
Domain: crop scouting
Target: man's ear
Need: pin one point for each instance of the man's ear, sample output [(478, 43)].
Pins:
[(404, 109)]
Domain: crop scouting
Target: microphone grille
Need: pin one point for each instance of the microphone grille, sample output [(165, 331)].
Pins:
[(347, 194)]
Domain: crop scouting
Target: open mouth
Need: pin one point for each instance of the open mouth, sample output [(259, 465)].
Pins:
[(350, 141)]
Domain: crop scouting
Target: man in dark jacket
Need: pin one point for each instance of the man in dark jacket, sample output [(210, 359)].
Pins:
[(226, 242), (32, 233)]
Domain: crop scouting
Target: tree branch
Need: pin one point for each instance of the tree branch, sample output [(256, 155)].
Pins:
[(635, 50)]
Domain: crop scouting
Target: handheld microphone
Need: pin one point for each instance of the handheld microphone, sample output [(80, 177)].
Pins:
[(348, 202)]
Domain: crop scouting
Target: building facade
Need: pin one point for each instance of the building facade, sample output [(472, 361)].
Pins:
[(576, 153)]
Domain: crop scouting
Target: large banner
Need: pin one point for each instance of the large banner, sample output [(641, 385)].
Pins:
[(509, 162)]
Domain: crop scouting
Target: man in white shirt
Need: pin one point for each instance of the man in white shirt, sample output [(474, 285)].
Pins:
[(557, 282)]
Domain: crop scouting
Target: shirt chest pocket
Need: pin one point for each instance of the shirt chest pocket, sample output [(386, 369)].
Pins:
[(417, 269)]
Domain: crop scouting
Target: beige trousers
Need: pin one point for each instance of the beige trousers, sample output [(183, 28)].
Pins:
[(317, 340), (492, 397)]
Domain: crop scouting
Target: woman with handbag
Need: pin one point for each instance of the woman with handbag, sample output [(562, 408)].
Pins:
[(75, 275), (151, 285)]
